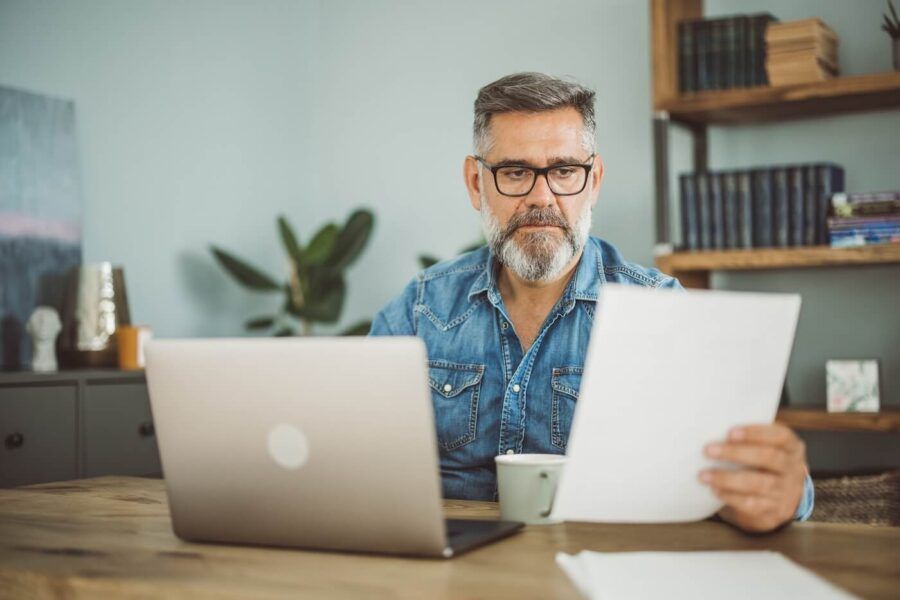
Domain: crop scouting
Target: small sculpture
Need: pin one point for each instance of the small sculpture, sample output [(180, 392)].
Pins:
[(43, 326)]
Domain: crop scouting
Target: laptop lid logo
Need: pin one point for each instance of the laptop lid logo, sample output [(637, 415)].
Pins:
[(288, 446)]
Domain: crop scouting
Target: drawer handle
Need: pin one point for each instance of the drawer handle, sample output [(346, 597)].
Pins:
[(14, 440), (146, 429)]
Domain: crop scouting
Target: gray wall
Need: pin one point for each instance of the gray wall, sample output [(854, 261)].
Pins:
[(199, 122)]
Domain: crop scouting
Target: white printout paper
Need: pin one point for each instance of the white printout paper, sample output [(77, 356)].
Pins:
[(666, 373), (692, 575)]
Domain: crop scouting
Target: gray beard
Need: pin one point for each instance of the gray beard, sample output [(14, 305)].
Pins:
[(541, 256)]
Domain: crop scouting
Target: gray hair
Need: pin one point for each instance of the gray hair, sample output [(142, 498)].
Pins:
[(530, 92)]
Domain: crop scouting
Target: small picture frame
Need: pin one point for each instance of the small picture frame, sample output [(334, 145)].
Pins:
[(852, 385)]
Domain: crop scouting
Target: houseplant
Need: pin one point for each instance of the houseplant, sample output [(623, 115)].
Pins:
[(315, 288), (892, 26)]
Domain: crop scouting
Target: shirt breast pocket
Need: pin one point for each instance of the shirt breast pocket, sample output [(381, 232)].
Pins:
[(454, 390), (565, 382)]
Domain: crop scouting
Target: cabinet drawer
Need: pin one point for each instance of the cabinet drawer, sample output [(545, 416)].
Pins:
[(118, 431), (37, 434)]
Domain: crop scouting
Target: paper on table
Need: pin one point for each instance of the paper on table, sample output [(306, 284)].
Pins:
[(666, 373), (692, 575)]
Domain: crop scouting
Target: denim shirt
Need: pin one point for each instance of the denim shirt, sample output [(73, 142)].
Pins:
[(489, 396)]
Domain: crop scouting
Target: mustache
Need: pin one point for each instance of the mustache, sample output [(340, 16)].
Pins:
[(537, 217)]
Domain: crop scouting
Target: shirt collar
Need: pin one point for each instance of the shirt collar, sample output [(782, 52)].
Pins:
[(585, 284)]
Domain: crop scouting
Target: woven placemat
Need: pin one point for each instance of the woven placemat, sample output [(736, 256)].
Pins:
[(868, 499)]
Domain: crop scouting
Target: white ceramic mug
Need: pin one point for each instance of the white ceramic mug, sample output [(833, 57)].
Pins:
[(527, 485)]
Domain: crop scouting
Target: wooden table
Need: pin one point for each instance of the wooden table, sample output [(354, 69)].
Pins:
[(111, 536)]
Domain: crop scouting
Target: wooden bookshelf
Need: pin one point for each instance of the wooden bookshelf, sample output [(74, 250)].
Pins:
[(841, 95), (837, 96), (810, 419), (693, 268)]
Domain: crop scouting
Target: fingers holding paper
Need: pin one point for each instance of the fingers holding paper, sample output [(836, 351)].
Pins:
[(766, 491)]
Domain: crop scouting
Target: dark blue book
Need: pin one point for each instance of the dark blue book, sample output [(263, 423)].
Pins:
[(745, 208), (763, 208), (810, 205), (701, 48), (781, 207), (715, 54), (718, 211), (704, 210), (729, 51), (757, 47), (730, 200), (742, 29), (798, 195), (690, 224), (829, 181)]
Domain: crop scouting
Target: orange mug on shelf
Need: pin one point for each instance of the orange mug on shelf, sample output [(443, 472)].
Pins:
[(130, 340)]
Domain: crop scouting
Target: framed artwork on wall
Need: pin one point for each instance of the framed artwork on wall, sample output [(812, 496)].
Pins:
[(40, 212)]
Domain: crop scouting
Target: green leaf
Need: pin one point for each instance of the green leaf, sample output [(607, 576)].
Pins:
[(352, 239), (326, 305), (245, 274), (427, 261), (289, 240), (322, 244), (285, 332), (260, 323), (361, 328)]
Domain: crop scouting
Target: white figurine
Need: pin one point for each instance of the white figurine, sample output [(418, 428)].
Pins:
[(43, 327)]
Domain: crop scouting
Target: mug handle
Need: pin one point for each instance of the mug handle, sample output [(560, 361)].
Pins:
[(545, 478)]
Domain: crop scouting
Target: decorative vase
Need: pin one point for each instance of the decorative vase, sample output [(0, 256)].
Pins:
[(96, 305), (896, 43)]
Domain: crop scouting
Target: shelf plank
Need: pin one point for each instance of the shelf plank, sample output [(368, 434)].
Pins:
[(807, 419), (841, 95), (778, 258)]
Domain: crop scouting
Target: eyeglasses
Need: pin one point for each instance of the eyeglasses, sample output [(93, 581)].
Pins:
[(519, 180)]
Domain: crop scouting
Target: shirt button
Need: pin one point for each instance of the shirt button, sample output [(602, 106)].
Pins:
[(504, 325), (510, 451), (448, 388), (516, 388)]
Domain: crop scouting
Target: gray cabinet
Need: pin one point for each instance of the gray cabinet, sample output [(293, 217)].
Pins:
[(75, 424), (37, 430), (119, 438)]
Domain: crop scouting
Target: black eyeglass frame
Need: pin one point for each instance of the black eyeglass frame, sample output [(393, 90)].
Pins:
[(537, 173)]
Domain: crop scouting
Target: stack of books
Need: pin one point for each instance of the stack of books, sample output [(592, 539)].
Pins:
[(801, 52), (864, 219), (717, 54), (767, 207)]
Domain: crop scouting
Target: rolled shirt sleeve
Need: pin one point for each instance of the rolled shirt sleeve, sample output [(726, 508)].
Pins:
[(805, 508)]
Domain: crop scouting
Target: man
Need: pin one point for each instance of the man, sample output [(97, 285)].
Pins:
[(507, 326)]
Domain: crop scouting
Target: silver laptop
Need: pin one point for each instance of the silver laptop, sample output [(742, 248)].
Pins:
[(324, 443)]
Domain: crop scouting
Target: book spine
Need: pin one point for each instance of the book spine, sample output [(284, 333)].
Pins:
[(830, 180), (704, 210), (745, 208), (701, 37), (729, 64), (781, 216), (797, 199), (690, 228), (732, 220), (762, 201), (891, 207), (718, 211), (750, 58), (740, 56), (759, 48), (810, 205), (715, 54)]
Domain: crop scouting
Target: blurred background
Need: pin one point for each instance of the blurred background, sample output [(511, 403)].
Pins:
[(200, 122)]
